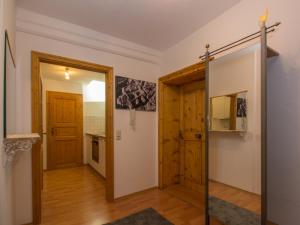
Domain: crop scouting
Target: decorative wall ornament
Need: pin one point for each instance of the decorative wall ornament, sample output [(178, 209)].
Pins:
[(16, 143), (135, 94)]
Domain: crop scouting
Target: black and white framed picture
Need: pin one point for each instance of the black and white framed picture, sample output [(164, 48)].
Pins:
[(135, 94), (241, 107)]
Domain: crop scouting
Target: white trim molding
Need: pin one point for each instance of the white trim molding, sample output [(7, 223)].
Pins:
[(13, 144), (48, 27)]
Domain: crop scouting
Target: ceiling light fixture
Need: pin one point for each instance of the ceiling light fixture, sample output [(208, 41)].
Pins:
[(67, 74)]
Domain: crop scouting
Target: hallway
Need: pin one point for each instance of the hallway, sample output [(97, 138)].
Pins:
[(76, 196)]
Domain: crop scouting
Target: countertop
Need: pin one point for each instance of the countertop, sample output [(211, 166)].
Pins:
[(96, 135)]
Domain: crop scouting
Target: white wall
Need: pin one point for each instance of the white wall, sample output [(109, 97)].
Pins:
[(94, 117), (234, 159), (7, 21), (135, 161), (94, 107), (60, 86), (284, 105)]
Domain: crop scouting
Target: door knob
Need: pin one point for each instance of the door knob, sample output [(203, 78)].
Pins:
[(52, 131)]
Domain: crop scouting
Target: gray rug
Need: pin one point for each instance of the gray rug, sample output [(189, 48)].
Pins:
[(231, 214), (145, 217)]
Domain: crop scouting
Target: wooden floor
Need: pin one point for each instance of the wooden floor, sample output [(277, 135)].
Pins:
[(76, 196), (243, 199), (197, 199), (238, 197)]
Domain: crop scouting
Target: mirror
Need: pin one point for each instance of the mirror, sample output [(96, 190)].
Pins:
[(235, 195), (9, 104), (229, 112)]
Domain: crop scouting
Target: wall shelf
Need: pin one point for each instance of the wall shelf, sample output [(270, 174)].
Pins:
[(271, 52), (18, 143), (229, 131)]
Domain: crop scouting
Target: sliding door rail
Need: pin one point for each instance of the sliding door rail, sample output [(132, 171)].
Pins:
[(241, 41)]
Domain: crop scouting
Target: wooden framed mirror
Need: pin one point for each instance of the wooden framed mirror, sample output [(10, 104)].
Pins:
[(9, 87), (229, 112)]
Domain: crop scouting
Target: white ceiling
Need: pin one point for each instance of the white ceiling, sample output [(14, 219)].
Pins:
[(158, 24), (55, 72)]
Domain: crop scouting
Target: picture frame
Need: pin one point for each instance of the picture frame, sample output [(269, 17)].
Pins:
[(132, 94)]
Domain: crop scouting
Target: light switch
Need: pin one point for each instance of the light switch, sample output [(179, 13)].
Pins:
[(119, 135)]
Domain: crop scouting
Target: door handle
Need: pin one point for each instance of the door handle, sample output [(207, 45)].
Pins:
[(52, 131), (198, 135), (180, 134)]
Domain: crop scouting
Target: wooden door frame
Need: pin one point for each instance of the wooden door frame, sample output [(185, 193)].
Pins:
[(36, 117), (183, 76)]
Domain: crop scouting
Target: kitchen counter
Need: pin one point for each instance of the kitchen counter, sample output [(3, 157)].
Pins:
[(96, 135)]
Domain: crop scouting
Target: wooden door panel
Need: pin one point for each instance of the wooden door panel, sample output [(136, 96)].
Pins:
[(64, 110), (193, 161), (171, 155), (65, 150), (192, 125), (64, 125), (66, 132)]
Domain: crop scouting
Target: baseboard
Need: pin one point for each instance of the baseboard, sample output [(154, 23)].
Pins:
[(271, 223), (136, 193)]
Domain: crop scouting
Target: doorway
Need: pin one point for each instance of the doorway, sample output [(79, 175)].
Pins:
[(64, 132), (182, 134)]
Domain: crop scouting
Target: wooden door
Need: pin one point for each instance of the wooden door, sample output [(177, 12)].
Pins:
[(64, 130), (171, 124), (192, 132)]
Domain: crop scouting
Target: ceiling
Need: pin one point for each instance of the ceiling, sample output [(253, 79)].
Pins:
[(158, 24), (55, 72)]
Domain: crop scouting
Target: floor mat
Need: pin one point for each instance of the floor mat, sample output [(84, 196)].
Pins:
[(145, 217)]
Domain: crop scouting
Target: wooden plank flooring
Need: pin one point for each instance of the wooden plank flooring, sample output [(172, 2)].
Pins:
[(230, 194), (195, 198), (243, 199), (76, 196)]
